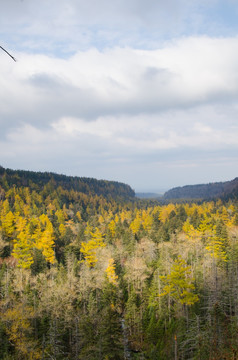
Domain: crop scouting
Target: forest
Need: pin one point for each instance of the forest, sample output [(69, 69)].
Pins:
[(224, 190), (88, 275)]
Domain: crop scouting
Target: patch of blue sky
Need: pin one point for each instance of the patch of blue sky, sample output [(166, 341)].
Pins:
[(222, 18)]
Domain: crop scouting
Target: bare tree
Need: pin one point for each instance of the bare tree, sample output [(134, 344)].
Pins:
[(8, 53)]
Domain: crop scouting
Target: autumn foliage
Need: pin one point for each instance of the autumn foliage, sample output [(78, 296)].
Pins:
[(87, 276)]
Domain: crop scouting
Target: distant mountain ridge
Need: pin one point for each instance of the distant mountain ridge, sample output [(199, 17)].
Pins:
[(148, 195), (225, 190), (37, 180)]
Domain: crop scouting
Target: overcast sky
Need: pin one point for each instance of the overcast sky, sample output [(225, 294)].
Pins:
[(139, 91)]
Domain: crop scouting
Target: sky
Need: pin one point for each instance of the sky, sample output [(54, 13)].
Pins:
[(143, 92)]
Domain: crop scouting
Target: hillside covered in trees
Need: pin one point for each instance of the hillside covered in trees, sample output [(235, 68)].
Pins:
[(226, 190), (86, 275), (48, 181)]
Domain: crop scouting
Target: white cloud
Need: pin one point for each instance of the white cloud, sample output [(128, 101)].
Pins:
[(107, 112), (185, 73)]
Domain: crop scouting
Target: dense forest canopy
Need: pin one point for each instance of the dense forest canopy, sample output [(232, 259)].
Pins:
[(89, 275), (225, 190), (38, 180)]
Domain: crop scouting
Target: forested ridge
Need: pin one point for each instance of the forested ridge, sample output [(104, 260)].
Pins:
[(224, 190), (92, 276), (39, 180)]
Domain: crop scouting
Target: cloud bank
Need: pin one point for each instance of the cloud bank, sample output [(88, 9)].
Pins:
[(151, 116)]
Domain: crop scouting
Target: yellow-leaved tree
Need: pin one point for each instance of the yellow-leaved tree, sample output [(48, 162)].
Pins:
[(190, 231), (19, 320), (136, 223), (8, 224), (112, 227), (147, 220), (111, 274), (23, 244), (216, 246), (179, 283), (62, 230), (88, 249), (45, 240), (165, 212)]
